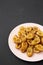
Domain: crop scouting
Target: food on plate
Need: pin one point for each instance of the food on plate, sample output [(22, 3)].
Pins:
[(39, 47), (23, 46), (42, 40), (36, 40), (28, 29), (34, 29), (16, 39), (40, 33), (29, 40), (18, 46), (36, 50), (29, 51), (30, 35)]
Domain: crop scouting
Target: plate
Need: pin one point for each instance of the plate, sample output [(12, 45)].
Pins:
[(16, 52)]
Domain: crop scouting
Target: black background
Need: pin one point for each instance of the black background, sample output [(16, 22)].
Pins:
[(13, 13)]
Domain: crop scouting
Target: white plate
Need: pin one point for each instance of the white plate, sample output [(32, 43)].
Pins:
[(16, 52)]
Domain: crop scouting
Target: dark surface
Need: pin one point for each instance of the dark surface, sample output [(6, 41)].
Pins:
[(13, 13)]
